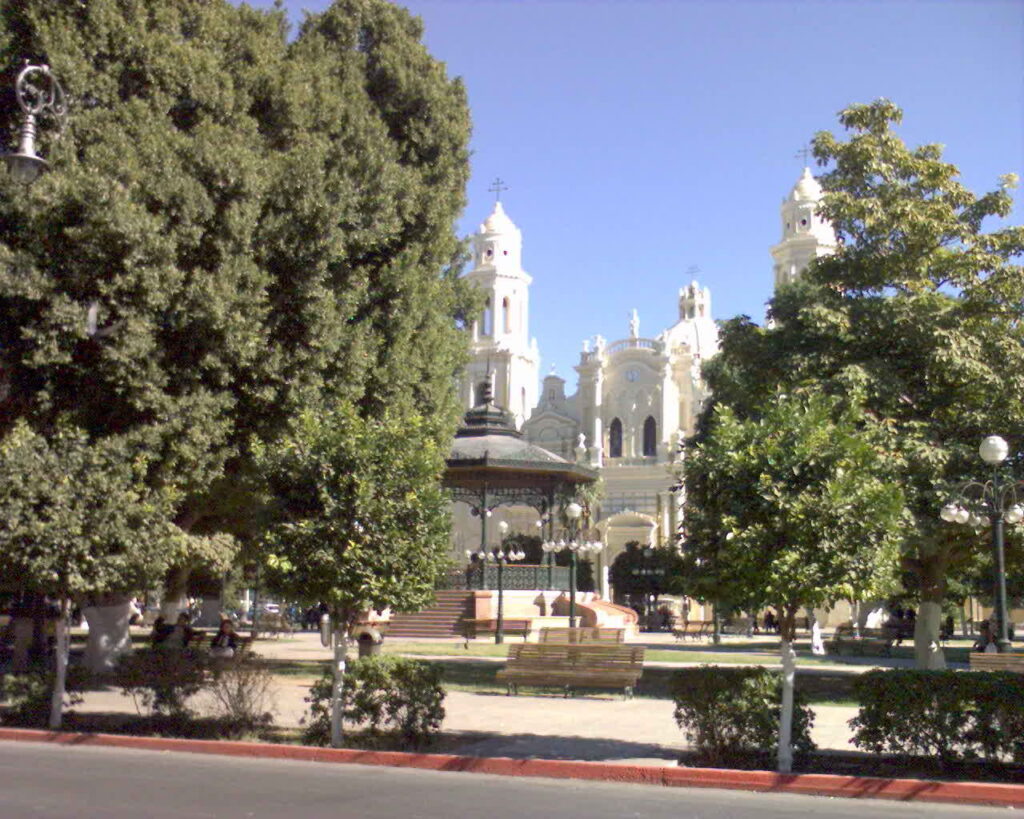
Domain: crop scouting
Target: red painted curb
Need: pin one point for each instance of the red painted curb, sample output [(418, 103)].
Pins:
[(857, 787)]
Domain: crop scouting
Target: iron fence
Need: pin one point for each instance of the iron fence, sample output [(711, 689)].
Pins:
[(514, 578)]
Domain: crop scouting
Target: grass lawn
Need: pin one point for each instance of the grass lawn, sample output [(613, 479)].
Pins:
[(748, 654)]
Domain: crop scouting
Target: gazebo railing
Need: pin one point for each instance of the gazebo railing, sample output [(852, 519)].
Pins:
[(514, 578)]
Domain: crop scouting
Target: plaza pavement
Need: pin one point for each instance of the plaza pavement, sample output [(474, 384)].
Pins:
[(587, 727)]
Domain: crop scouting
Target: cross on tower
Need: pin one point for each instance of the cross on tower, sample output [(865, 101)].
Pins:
[(804, 152), (497, 186)]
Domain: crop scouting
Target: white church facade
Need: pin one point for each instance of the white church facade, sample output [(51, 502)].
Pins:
[(636, 398)]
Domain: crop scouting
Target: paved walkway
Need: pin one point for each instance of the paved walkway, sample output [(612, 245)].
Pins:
[(590, 727)]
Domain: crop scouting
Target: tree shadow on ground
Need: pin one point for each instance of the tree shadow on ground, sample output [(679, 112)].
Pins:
[(537, 746)]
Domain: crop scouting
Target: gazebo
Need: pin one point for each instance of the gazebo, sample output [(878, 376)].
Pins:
[(491, 465)]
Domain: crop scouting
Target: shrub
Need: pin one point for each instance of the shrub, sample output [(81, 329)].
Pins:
[(381, 694), (241, 689), (728, 713), (162, 681), (26, 697), (951, 715)]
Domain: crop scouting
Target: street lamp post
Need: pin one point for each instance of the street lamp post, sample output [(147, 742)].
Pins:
[(503, 556), (575, 545), (39, 95), (998, 500)]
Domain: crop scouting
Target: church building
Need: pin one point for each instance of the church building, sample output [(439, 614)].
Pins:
[(636, 397)]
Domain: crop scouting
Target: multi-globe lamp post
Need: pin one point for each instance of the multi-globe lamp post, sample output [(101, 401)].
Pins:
[(575, 545), (998, 501), (500, 556)]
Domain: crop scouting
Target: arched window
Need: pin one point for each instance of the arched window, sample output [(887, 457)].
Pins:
[(650, 436), (507, 313), (487, 326), (615, 439)]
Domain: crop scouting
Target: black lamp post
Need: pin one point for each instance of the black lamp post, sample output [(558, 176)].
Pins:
[(501, 557), (574, 544), (998, 500), (39, 96)]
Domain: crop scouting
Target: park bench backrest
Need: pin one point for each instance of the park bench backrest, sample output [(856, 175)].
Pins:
[(587, 634), (603, 656), (981, 661)]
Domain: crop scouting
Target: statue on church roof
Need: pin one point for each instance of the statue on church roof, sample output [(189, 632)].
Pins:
[(634, 325)]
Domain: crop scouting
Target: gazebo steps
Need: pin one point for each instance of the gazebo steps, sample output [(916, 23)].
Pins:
[(442, 619)]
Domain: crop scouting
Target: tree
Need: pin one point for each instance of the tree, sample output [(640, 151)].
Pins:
[(237, 226), (644, 573), (80, 520), (363, 522), (920, 311), (794, 507)]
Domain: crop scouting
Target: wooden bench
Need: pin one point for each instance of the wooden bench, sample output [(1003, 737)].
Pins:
[(1013, 661), (274, 624), (695, 629), (489, 625), (571, 666), (872, 641), (587, 634)]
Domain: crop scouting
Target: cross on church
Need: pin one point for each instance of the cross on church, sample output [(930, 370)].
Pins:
[(803, 152), (497, 186)]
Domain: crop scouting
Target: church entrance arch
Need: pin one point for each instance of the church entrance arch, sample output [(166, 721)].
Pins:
[(616, 531)]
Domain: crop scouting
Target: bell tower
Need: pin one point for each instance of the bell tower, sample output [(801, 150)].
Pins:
[(805, 233), (500, 334)]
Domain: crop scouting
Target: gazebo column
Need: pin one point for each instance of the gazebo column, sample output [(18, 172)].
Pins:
[(484, 514)]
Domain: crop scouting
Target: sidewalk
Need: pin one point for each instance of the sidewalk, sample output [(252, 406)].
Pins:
[(592, 727)]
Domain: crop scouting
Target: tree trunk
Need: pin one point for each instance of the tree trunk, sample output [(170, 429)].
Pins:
[(787, 629), (928, 652), (109, 637), (175, 599), (339, 642), (786, 715), (60, 677)]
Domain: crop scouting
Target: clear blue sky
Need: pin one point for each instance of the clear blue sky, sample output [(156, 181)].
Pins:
[(642, 138)]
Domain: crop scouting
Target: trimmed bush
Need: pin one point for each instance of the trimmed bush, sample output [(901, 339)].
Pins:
[(951, 715), (728, 713), (382, 694), (162, 681)]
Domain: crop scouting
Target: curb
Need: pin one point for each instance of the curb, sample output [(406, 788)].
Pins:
[(854, 787)]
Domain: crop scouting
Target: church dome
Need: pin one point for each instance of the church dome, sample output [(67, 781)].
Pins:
[(806, 188), (498, 221)]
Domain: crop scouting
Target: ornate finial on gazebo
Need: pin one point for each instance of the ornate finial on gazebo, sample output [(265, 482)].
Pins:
[(486, 392)]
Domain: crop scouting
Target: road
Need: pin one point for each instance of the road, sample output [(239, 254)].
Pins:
[(58, 782)]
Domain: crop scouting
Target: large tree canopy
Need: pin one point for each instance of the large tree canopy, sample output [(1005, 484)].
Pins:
[(237, 226), (794, 507), (920, 311)]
